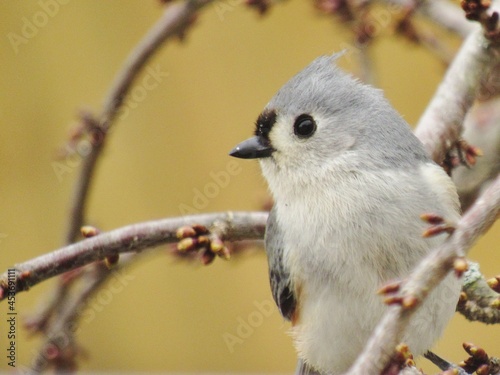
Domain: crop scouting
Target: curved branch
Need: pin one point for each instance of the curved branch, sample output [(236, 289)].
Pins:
[(232, 226), (427, 275), (177, 17), (441, 124)]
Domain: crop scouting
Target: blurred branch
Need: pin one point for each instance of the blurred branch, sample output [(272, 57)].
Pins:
[(367, 74), (440, 126), (480, 129), (444, 13), (476, 221), (481, 12), (442, 123), (447, 15), (175, 20), (229, 226), (59, 346)]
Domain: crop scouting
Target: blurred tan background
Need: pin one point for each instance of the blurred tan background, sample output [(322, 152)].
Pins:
[(173, 316)]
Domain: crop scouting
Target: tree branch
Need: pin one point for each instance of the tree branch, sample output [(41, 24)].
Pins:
[(441, 124), (230, 226), (439, 129), (176, 18), (476, 221)]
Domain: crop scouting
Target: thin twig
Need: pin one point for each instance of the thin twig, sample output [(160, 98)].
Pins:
[(444, 364), (132, 238), (476, 221)]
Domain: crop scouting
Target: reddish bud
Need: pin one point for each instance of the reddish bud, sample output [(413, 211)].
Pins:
[(224, 253), (460, 265), (207, 257), (185, 232), (24, 275), (89, 231), (111, 261), (483, 370), (391, 287), (494, 283), (216, 245), (463, 297), (409, 302), (432, 218), (187, 244), (200, 229), (393, 300)]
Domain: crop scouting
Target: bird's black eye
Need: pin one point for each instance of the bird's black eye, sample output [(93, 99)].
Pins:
[(304, 126)]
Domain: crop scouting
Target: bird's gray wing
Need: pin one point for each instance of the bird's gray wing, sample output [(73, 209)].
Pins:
[(304, 369), (278, 274)]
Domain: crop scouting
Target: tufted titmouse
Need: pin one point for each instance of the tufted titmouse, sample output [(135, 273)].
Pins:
[(349, 181)]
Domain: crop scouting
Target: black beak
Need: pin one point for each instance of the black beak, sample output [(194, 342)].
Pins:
[(252, 148)]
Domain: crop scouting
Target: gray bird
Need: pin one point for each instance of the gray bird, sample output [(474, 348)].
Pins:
[(349, 181)]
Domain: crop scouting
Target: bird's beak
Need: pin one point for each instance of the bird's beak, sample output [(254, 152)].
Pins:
[(252, 148)]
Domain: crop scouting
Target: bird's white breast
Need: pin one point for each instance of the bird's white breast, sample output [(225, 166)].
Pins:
[(342, 242)]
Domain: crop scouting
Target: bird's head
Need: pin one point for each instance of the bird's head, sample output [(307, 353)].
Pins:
[(324, 120)]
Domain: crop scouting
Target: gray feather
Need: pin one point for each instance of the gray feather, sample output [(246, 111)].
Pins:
[(304, 369), (278, 275)]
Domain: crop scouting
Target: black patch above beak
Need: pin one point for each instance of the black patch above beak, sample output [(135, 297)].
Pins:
[(252, 148)]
